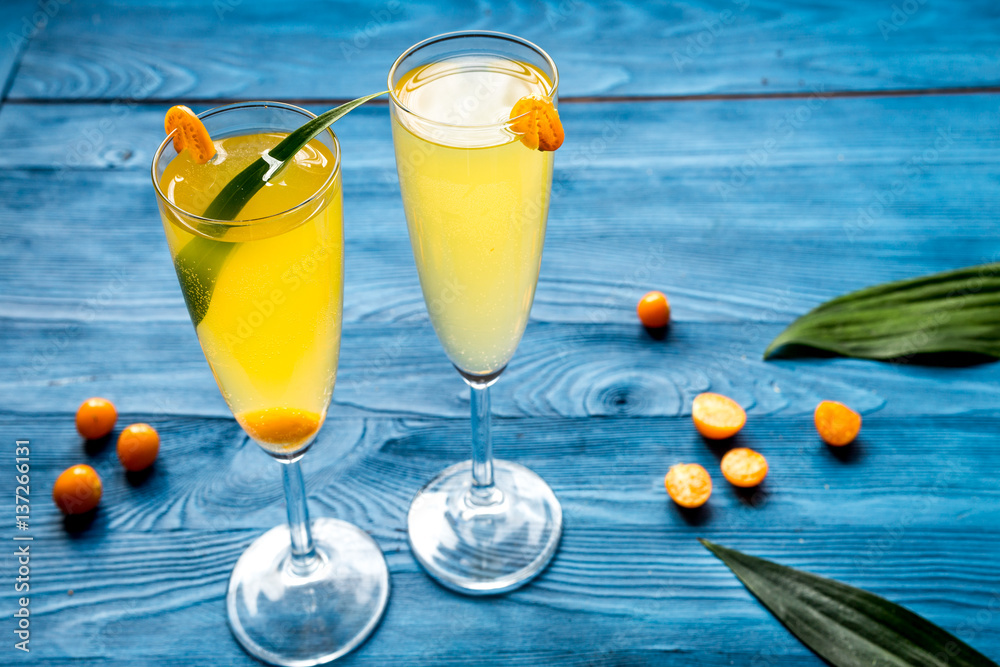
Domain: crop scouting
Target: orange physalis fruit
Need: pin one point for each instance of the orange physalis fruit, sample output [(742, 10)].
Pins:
[(190, 133), (744, 467), (535, 118), (95, 418), (77, 490), (717, 416), (138, 446), (654, 310), (688, 484), (837, 424), (287, 428)]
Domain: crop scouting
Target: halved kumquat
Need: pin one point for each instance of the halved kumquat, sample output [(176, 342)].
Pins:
[(688, 484), (744, 467), (716, 416), (836, 423)]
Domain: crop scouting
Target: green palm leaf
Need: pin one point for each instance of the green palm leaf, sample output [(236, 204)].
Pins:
[(847, 626), (944, 313)]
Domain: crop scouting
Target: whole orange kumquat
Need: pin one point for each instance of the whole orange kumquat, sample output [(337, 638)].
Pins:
[(77, 490), (138, 446), (654, 310), (95, 418)]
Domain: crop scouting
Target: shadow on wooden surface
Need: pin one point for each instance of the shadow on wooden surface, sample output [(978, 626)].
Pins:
[(936, 359)]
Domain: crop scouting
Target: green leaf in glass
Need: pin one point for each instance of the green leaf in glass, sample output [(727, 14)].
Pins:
[(199, 262)]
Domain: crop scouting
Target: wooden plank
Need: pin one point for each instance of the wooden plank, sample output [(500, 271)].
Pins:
[(630, 585), (89, 305), (570, 370), (193, 50), (584, 353), (711, 188)]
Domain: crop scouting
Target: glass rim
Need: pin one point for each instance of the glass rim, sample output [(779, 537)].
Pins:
[(245, 222), (443, 37)]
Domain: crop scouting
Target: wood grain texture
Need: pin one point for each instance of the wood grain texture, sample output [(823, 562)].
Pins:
[(708, 196), (584, 353), (747, 213), (304, 50), (564, 370), (629, 586)]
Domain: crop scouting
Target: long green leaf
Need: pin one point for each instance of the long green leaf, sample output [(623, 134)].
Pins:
[(199, 262), (231, 200), (943, 313), (847, 626)]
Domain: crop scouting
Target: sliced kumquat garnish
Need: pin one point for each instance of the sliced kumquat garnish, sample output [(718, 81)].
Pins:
[(287, 428), (535, 118), (189, 133), (836, 423)]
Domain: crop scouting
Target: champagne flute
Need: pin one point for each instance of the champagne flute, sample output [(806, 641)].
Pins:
[(265, 294), (476, 202)]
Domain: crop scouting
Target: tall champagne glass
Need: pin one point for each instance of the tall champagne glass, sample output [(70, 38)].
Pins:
[(476, 202), (265, 294)]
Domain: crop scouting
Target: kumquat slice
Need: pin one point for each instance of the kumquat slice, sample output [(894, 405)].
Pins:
[(535, 118), (190, 133)]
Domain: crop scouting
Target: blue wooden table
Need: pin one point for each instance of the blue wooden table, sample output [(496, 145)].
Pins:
[(750, 158)]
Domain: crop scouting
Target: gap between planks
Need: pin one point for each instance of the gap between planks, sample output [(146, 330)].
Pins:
[(584, 99)]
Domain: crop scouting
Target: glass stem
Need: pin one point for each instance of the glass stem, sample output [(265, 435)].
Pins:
[(304, 559), (483, 491)]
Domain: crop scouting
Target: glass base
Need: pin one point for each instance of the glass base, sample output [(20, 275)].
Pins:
[(491, 546), (284, 618)]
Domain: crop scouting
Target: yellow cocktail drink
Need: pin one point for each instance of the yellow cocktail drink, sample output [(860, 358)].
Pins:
[(476, 202), (270, 328)]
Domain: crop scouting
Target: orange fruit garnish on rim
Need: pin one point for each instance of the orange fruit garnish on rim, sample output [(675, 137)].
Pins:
[(537, 121), (190, 133), (287, 428)]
